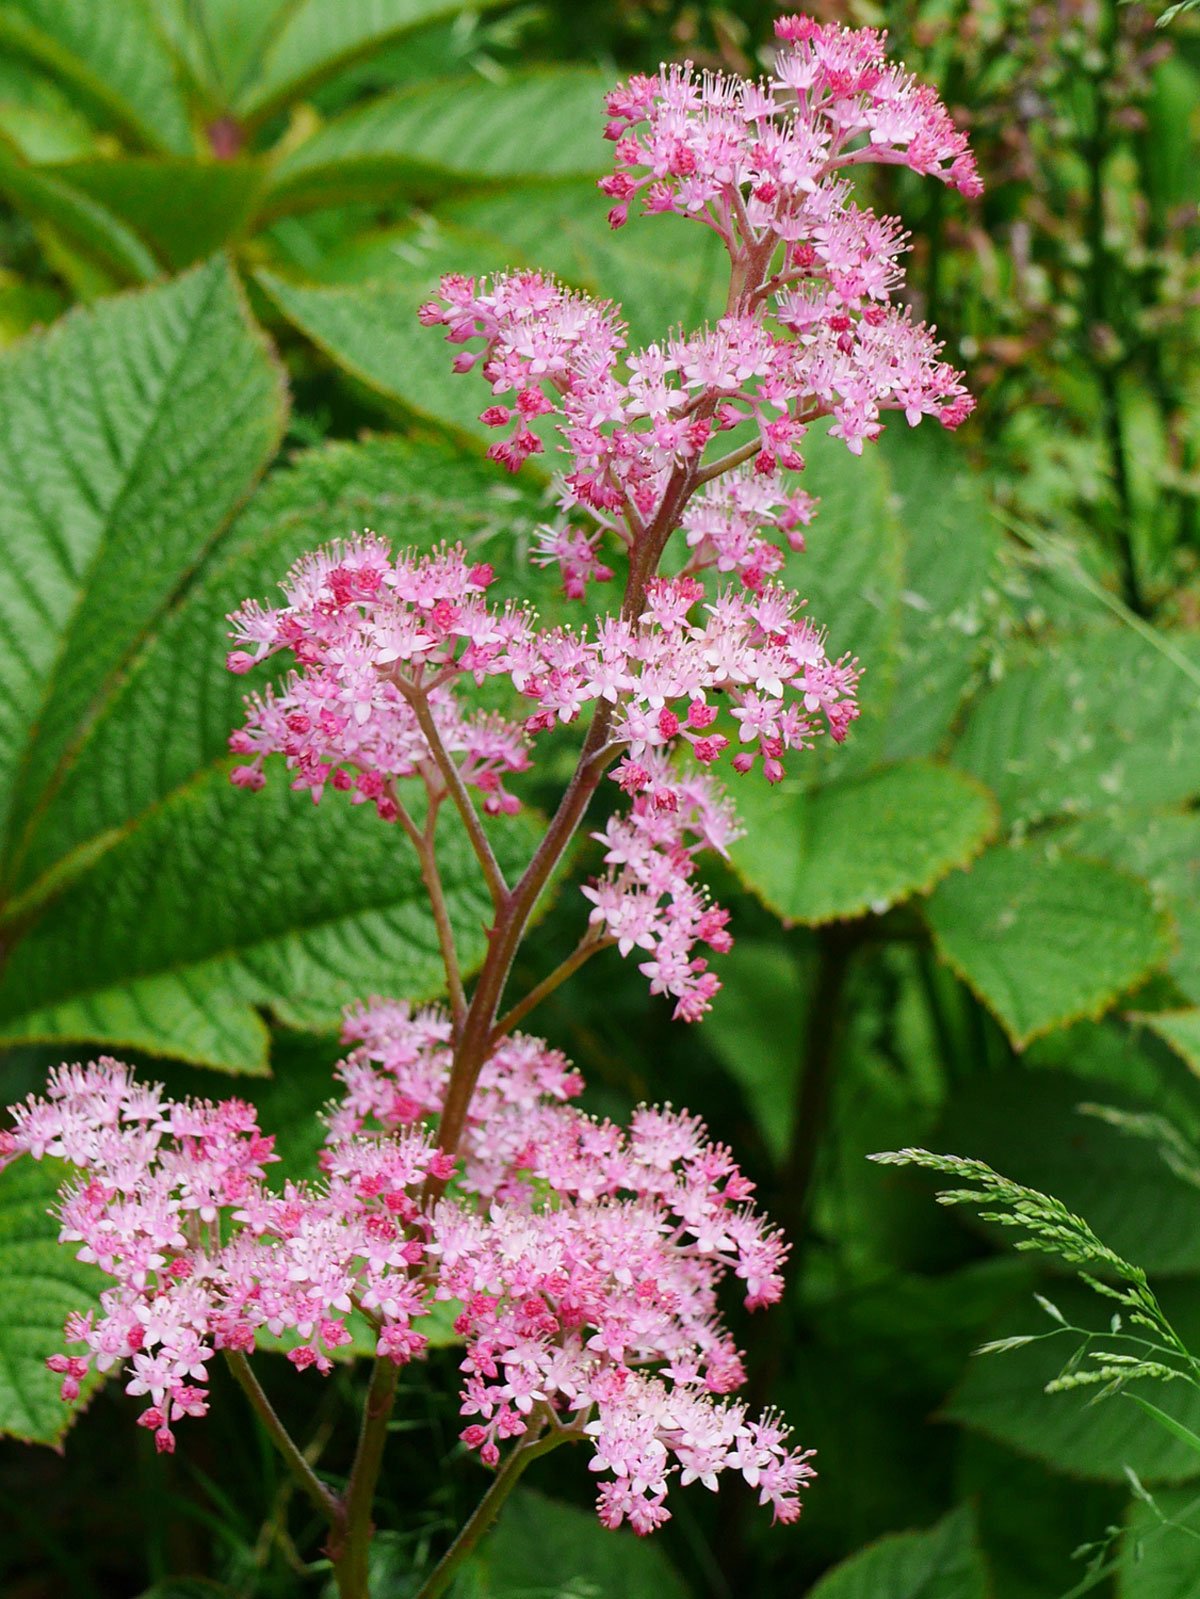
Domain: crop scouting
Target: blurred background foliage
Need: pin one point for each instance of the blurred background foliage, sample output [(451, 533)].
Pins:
[(978, 913)]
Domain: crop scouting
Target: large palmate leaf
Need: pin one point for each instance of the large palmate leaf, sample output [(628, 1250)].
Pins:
[(1109, 719), (537, 124), (1162, 848), (1044, 939), (949, 593), (83, 223), (42, 1283), (110, 56), (115, 720), (128, 436), (313, 40), (862, 844), (942, 1563)]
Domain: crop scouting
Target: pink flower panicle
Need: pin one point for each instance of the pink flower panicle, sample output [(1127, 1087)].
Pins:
[(811, 331), (367, 631), (585, 1258), (171, 1204), (752, 158), (690, 678), (587, 1267)]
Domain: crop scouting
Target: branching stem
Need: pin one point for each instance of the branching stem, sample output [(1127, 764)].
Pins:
[(583, 951), (480, 843), (323, 1498)]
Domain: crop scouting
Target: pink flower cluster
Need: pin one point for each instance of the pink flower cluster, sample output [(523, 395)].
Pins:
[(647, 900), (749, 158), (377, 638), (588, 1271), (809, 331), (585, 1258), (370, 632), (171, 1204)]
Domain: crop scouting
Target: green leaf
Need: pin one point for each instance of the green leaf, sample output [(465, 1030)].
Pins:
[(1101, 721), (371, 331), (166, 722), (1045, 939), (219, 43), (1001, 1396), (756, 1030), (949, 595), (942, 1563), (1120, 1185), (128, 436), (116, 706), (49, 199), (288, 907), (859, 845), (852, 574), (540, 1545), (320, 38), (1162, 848), (1178, 1028), (42, 1284), (545, 123), (1031, 1520), (662, 272), (25, 306), (39, 117), (110, 56), (185, 209)]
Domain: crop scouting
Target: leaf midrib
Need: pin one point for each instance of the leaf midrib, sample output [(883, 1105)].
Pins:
[(22, 825)]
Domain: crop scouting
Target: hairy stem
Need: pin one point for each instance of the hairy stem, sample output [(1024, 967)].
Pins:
[(323, 1498), (351, 1550), (486, 1510), (480, 843), (424, 842)]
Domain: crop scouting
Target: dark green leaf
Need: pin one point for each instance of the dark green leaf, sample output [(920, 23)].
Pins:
[(943, 1563), (1119, 1184), (49, 199), (1001, 1396), (1103, 720), (861, 845), (43, 1282), (317, 39), (949, 595), (184, 209), (109, 55), (538, 124), (558, 1552), (1162, 848), (372, 332), (1045, 939), (1159, 1550)]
